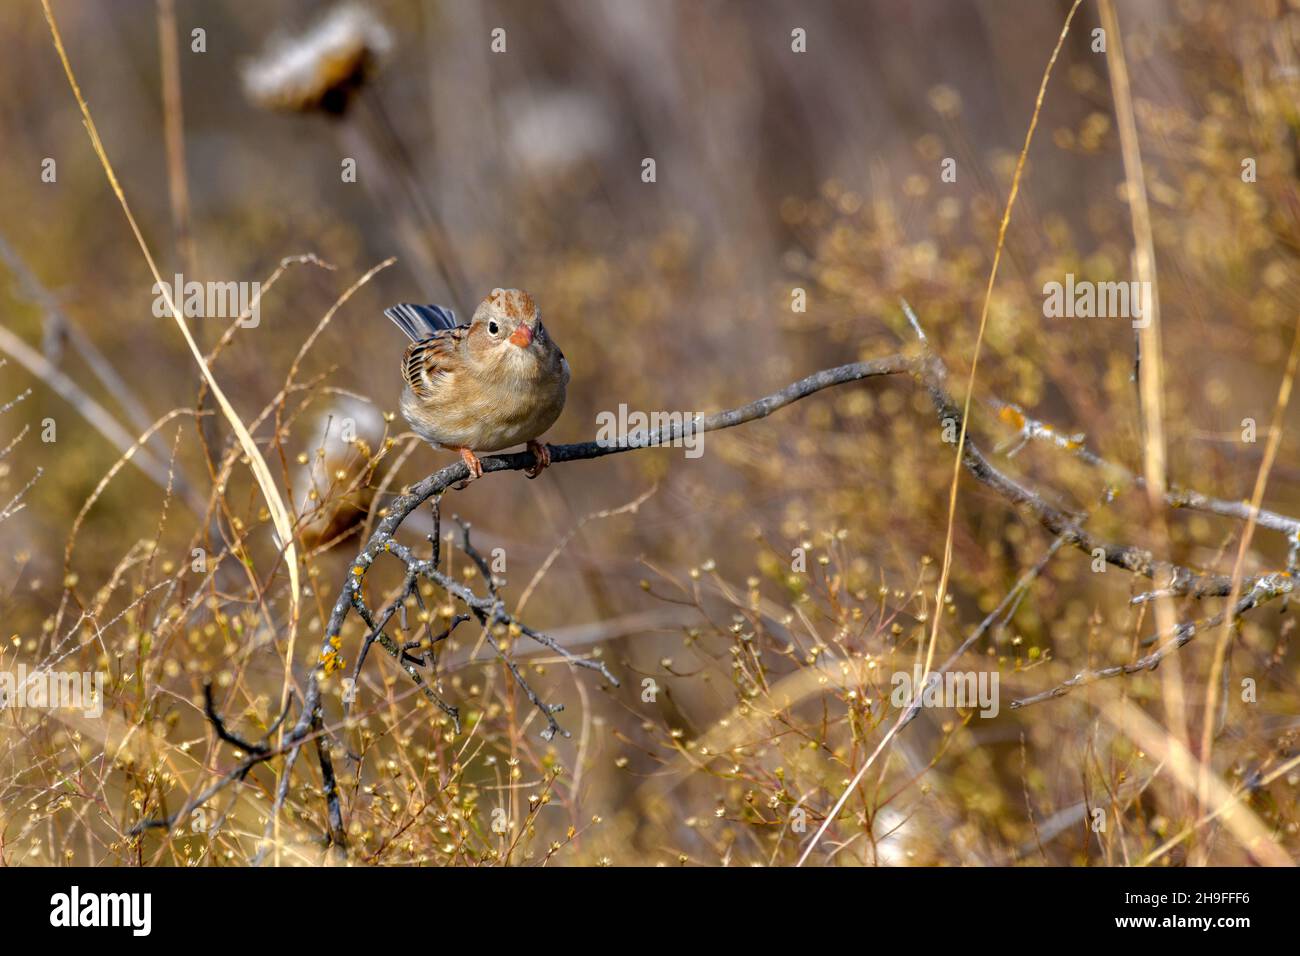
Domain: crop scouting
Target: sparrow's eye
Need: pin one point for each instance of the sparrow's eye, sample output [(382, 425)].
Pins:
[(493, 328)]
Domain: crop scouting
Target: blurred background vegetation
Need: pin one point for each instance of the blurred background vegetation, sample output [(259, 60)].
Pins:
[(774, 171)]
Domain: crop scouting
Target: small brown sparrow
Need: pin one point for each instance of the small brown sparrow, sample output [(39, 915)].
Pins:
[(482, 387)]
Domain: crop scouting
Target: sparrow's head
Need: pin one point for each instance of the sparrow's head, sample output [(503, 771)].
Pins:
[(506, 319)]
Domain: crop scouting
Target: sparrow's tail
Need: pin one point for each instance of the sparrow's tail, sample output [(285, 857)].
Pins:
[(421, 321)]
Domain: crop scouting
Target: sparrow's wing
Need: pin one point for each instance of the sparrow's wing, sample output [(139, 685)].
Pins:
[(428, 359), (421, 321)]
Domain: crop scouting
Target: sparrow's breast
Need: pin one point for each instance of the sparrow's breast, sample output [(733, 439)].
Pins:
[(486, 412), (522, 412)]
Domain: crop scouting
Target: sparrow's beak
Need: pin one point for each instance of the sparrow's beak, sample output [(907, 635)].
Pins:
[(522, 336)]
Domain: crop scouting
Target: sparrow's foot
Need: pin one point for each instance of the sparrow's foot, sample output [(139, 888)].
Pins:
[(472, 462), (543, 455)]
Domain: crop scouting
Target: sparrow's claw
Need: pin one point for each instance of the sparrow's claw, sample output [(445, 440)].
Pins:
[(472, 462), (543, 455)]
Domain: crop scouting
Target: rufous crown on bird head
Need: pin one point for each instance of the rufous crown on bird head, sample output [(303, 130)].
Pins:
[(508, 314)]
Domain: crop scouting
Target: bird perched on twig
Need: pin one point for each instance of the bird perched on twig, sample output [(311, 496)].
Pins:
[(484, 386)]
